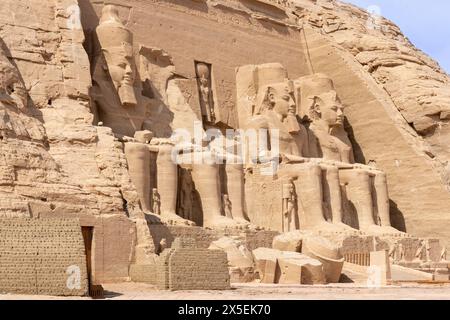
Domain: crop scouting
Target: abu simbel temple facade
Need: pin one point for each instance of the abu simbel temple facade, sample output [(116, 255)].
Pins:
[(191, 144)]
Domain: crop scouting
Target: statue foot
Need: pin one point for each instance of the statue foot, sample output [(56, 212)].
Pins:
[(329, 227), (248, 224), (153, 218), (345, 227), (221, 222), (173, 219), (380, 231)]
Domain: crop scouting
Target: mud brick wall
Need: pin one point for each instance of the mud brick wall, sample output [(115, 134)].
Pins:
[(204, 237), (192, 269), (162, 270), (145, 273), (42, 257), (198, 269)]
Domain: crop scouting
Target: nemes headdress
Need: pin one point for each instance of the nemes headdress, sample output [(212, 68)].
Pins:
[(309, 87)]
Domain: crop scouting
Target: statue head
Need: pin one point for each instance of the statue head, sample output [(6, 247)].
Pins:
[(318, 100), (203, 73), (116, 42), (277, 97)]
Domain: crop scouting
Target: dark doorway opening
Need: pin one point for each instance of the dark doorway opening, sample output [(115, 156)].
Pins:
[(95, 291), (88, 234)]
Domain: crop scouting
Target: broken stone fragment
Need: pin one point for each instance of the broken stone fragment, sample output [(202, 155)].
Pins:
[(241, 263), (275, 266)]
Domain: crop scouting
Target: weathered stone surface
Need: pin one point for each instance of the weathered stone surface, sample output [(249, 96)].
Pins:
[(186, 267), (289, 241), (42, 256), (293, 265), (275, 266), (240, 259), (63, 153)]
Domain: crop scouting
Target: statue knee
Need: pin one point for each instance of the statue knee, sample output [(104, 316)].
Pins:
[(362, 175), (332, 172), (381, 178), (315, 170)]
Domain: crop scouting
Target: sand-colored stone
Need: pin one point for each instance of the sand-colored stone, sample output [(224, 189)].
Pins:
[(381, 267), (283, 267), (42, 257), (240, 259), (91, 94)]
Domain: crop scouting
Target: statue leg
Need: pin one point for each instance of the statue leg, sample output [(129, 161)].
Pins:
[(333, 185), (291, 219), (138, 158), (167, 176), (382, 198), (382, 201), (310, 194), (359, 192), (236, 191), (207, 183), (332, 179)]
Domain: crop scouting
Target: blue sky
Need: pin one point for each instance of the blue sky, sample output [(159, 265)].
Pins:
[(425, 23)]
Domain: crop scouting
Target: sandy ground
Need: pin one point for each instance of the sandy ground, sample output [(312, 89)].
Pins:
[(135, 291)]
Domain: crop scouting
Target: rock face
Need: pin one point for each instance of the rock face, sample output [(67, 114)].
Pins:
[(76, 108)]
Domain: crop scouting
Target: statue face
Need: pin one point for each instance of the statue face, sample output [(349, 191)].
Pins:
[(329, 109), (281, 98), (120, 63), (117, 45)]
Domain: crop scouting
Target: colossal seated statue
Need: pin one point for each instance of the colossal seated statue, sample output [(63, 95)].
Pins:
[(164, 183), (318, 160), (120, 105), (365, 187), (205, 163), (274, 110), (115, 85)]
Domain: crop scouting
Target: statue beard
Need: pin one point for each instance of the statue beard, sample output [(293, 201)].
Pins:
[(291, 123)]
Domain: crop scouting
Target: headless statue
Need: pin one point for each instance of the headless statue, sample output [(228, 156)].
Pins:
[(205, 162), (138, 154)]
